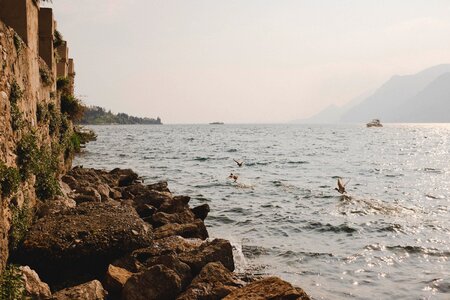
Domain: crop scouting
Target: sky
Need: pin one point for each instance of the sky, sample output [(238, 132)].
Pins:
[(247, 61)]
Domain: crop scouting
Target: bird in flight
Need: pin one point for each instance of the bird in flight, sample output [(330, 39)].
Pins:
[(233, 176), (341, 186), (238, 162)]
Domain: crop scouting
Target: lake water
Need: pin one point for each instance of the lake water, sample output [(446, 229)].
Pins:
[(389, 240)]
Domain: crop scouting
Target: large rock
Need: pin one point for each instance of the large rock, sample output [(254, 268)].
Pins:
[(135, 261), (218, 250), (172, 262), (271, 288), (195, 229), (59, 205), (156, 283), (201, 211), (92, 290), (34, 287), (162, 218), (115, 279), (83, 241), (213, 283)]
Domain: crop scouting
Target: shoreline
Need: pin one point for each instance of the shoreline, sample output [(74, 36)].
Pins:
[(130, 240)]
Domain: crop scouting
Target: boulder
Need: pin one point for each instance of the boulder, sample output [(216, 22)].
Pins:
[(115, 279), (162, 218), (172, 262), (92, 290), (34, 287), (272, 288), (135, 261), (218, 250), (213, 283), (201, 212), (59, 205), (83, 241), (160, 186), (153, 198), (155, 283), (175, 204), (145, 211), (195, 229)]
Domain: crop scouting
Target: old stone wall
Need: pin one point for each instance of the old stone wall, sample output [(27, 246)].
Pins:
[(35, 138)]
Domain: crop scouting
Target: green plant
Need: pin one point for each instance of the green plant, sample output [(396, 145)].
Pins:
[(57, 39), (20, 223), (72, 107), (16, 118), (16, 92), (46, 78), (55, 119), (12, 285), (46, 171), (9, 180), (27, 155), (15, 95), (42, 114), (18, 43), (62, 82)]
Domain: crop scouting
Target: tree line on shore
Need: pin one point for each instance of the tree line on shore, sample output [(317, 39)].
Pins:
[(96, 115)]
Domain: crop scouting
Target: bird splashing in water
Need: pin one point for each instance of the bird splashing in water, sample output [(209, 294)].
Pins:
[(341, 186)]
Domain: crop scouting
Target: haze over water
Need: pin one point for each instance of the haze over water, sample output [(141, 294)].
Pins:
[(390, 240)]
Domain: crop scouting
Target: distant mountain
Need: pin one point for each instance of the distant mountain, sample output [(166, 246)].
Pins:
[(432, 105), (95, 115), (392, 97), (333, 113), (421, 97)]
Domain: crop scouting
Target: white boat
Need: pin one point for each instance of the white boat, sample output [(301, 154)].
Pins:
[(374, 123)]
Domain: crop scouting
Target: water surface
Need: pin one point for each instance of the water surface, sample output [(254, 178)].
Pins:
[(390, 240)]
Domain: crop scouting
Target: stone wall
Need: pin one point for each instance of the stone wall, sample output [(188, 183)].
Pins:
[(29, 106)]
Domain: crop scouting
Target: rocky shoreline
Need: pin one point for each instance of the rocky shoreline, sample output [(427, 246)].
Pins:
[(110, 236)]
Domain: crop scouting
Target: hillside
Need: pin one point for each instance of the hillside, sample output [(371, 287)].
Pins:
[(416, 98), (394, 95), (96, 115)]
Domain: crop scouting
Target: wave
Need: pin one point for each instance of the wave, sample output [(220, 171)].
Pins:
[(318, 226)]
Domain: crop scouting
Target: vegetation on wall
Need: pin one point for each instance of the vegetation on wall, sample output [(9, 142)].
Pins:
[(57, 39), (12, 285), (15, 95), (21, 220), (42, 162), (18, 43), (9, 180), (72, 107), (46, 78)]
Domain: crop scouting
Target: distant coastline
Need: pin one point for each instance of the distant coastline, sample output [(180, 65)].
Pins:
[(96, 115)]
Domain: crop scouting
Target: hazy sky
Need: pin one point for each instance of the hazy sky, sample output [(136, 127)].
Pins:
[(196, 61)]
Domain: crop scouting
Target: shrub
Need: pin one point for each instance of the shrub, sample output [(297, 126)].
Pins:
[(12, 285), (45, 76), (17, 122), (47, 185), (15, 95), (27, 155), (55, 119), (20, 223), (42, 114), (18, 43), (9, 180), (62, 82), (57, 39), (72, 107)]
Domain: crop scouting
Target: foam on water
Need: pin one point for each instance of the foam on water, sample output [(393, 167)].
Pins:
[(390, 239)]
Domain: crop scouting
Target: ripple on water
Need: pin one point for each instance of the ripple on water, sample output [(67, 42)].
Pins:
[(395, 223)]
